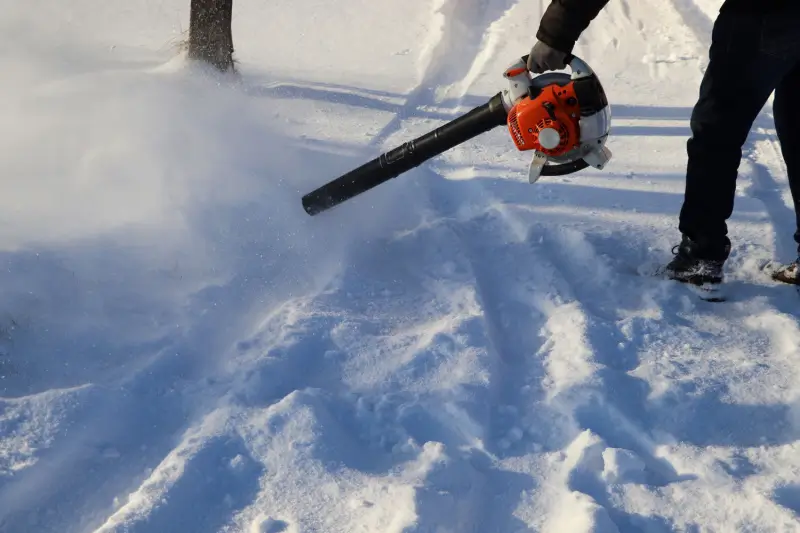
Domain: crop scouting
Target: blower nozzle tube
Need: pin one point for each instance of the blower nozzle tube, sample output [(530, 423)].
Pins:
[(407, 156)]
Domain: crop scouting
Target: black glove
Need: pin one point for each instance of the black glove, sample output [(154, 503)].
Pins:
[(544, 57)]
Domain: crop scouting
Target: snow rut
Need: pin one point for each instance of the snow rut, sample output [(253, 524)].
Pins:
[(559, 365), (658, 387), (695, 19), (763, 157), (456, 48)]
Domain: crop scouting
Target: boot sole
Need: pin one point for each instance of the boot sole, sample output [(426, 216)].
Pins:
[(706, 288), (710, 292), (772, 268)]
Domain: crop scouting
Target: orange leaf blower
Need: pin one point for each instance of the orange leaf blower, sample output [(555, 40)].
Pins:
[(563, 118)]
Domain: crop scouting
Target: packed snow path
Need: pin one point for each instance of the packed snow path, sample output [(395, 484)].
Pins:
[(183, 349)]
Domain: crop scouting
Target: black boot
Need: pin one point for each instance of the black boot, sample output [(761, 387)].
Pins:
[(698, 262), (788, 273)]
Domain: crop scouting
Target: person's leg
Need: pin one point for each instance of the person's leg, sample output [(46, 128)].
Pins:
[(734, 89), (736, 85), (787, 125), (780, 38)]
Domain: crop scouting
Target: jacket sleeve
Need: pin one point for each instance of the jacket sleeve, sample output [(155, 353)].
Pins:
[(564, 21)]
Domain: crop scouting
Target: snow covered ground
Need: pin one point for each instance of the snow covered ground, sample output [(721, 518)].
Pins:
[(183, 349)]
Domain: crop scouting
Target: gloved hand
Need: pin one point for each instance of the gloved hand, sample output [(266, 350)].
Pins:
[(543, 57)]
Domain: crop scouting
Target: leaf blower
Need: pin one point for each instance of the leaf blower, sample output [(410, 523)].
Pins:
[(563, 118)]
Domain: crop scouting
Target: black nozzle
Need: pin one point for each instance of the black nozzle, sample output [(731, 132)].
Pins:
[(407, 156)]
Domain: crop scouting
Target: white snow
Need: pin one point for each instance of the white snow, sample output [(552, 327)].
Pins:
[(183, 349)]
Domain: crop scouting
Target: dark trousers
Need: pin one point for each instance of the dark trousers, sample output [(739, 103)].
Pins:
[(751, 56)]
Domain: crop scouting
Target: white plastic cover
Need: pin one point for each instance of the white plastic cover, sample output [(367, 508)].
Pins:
[(595, 126)]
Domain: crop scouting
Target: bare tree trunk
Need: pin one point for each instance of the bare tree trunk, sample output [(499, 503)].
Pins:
[(210, 35)]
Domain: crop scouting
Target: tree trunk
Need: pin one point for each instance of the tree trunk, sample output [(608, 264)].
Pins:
[(210, 35)]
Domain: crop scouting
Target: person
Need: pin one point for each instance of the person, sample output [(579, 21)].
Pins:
[(755, 50)]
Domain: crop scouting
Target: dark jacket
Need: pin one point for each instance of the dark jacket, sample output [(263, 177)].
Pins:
[(564, 20)]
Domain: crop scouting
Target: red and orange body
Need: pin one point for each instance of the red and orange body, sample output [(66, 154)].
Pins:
[(547, 123)]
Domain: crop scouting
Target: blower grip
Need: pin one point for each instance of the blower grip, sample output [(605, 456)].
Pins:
[(567, 59), (407, 156)]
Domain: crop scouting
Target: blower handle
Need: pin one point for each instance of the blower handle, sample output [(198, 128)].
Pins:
[(579, 67), (567, 59)]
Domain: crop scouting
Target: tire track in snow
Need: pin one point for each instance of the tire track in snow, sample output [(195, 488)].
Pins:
[(486, 493), (622, 424), (769, 192), (555, 354), (453, 52), (517, 422), (589, 351), (696, 20), (578, 376), (607, 406), (625, 426), (514, 296)]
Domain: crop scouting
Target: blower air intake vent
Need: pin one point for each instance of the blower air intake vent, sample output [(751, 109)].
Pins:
[(513, 126)]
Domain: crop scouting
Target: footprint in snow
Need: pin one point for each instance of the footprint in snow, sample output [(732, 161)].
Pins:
[(270, 525)]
